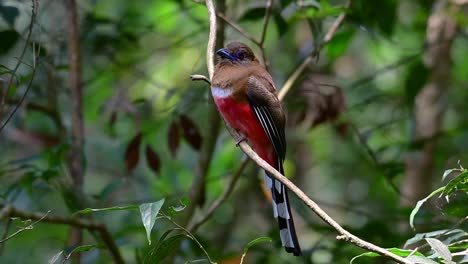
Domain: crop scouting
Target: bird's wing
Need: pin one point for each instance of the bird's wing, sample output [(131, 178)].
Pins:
[(267, 108)]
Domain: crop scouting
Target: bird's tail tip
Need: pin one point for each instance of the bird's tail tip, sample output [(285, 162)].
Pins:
[(296, 251)]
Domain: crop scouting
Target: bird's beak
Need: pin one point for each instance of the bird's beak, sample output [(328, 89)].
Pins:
[(224, 53)]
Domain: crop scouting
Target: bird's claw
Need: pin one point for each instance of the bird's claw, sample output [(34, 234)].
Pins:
[(240, 139)]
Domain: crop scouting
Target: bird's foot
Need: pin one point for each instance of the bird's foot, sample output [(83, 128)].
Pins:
[(241, 138)]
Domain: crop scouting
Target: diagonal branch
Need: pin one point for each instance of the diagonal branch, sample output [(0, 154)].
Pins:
[(344, 234), (230, 187), (327, 38), (238, 28)]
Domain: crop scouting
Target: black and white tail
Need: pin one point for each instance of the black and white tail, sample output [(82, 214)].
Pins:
[(282, 212)]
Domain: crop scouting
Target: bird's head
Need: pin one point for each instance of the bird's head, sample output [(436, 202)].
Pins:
[(236, 53)]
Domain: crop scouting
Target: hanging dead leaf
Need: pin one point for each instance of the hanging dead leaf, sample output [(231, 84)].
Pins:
[(173, 138), (190, 132), (132, 153), (152, 158), (320, 101)]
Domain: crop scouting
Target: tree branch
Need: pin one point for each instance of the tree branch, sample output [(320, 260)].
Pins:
[(328, 37), (9, 211), (230, 187), (238, 28), (76, 155), (344, 234), (3, 95), (211, 38), (197, 193)]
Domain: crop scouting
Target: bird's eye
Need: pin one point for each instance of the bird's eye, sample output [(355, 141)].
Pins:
[(240, 54)]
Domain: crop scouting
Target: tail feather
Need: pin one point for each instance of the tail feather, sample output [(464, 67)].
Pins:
[(282, 212)]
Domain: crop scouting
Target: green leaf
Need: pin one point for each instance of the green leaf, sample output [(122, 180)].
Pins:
[(149, 213), (115, 208), (440, 248), (256, 241), (458, 183), (173, 210), (339, 43), (420, 203), (396, 251), (185, 201), (82, 248), (164, 249), (459, 245), (457, 206)]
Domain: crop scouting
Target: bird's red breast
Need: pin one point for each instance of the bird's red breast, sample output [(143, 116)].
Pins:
[(238, 114)]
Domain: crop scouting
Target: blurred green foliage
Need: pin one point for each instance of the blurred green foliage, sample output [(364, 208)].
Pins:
[(145, 121)]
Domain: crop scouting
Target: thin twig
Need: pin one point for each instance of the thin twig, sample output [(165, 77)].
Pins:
[(9, 211), (238, 28), (5, 234), (328, 37), (13, 73), (28, 227), (374, 158), (199, 77), (261, 45), (230, 187), (190, 235), (269, 5)]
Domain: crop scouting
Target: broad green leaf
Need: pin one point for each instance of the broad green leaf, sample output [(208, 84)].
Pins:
[(164, 249), (396, 251), (149, 213), (115, 208), (440, 248), (420, 203), (256, 241), (458, 183)]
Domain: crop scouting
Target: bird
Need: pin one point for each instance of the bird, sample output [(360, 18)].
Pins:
[(245, 96)]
